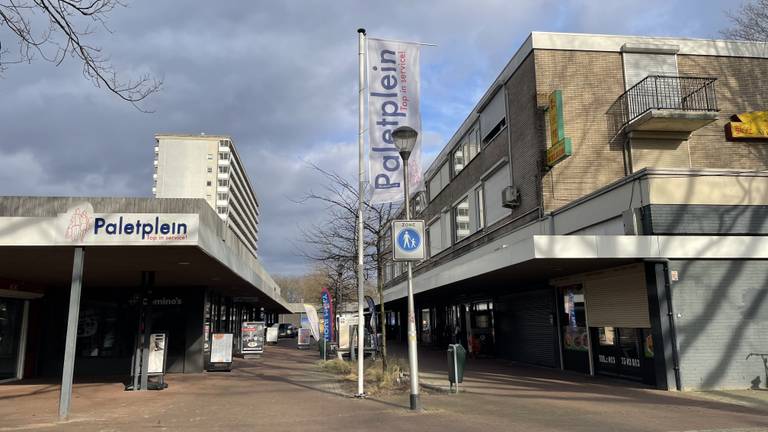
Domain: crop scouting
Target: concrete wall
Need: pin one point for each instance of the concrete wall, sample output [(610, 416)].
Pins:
[(182, 168), (721, 310)]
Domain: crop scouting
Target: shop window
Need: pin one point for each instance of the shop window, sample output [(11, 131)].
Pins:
[(575, 335), (11, 311), (104, 330), (606, 335)]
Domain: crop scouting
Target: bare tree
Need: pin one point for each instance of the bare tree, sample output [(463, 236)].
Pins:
[(749, 22), (56, 29), (333, 242), (303, 288)]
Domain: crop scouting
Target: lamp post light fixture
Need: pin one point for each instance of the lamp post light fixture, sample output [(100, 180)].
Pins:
[(405, 141)]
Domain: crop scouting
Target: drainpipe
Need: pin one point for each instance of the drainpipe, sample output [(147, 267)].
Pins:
[(671, 319)]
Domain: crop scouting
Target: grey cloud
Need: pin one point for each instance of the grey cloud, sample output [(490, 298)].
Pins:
[(281, 78)]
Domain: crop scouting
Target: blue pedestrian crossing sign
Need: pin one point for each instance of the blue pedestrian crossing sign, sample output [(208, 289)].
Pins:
[(408, 240)]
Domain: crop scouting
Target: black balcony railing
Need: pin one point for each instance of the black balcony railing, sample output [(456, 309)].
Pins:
[(659, 92)]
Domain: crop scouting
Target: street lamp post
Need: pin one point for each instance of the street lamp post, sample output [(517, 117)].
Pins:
[(405, 140)]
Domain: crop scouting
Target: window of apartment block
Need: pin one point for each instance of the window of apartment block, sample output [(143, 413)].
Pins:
[(155, 169), (468, 148), (208, 183), (210, 170), (434, 238), (221, 210), (445, 228), (210, 156), (439, 181), (492, 187), (493, 116), (223, 182), (223, 155), (223, 143), (223, 169), (222, 196), (461, 219), (479, 209)]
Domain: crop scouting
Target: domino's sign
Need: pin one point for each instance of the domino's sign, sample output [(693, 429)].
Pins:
[(408, 240)]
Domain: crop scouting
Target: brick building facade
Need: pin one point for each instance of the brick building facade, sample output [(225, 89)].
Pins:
[(584, 264)]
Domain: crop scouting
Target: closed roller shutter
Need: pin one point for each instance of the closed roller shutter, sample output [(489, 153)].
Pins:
[(618, 300), (524, 329)]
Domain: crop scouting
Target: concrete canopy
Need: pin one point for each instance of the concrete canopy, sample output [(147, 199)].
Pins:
[(33, 251)]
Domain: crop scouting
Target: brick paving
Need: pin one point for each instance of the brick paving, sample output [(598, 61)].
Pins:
[(285, 390)]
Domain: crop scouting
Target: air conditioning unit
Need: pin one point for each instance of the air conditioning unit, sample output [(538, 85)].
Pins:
[(510, 197)]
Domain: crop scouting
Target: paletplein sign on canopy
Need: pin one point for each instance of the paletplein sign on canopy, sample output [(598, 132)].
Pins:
[(80, 226)]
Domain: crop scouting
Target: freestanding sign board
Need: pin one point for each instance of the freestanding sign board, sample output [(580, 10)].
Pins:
[(303, 338), (157, 354), (252, 338), (408, 240), (272, 334), (221, 352)]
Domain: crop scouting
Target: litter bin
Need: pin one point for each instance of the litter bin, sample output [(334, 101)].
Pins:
[(457, 358)]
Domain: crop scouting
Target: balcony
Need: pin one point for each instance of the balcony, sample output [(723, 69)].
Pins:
[(671, 105)]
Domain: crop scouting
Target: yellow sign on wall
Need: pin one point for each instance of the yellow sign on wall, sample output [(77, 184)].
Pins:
[(749, 125), (560, 145)]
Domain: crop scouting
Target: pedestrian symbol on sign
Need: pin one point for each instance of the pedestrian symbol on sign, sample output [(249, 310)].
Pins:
[(408, 239)]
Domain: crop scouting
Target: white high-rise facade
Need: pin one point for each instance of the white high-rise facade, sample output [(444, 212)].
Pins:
[(208, 166)]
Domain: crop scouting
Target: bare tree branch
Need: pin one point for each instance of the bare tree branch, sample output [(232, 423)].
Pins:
[(749, 22), (55, 29)]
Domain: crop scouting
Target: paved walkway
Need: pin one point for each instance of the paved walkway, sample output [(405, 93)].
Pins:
[(285, 390)]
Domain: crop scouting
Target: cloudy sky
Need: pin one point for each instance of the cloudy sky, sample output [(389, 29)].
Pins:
[(281, 78)]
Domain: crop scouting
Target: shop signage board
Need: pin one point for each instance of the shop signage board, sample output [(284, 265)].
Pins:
[(748, 126), (221, 351), (252, 337), (157, 354), (81, 226), (272, 334), (303, 338), (408, 240), (560, 145)]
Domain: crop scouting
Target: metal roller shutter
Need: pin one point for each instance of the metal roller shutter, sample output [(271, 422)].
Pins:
[(524, 328), (618, 300)]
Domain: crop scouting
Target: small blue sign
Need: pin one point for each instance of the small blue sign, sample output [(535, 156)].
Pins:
[(408, 239)]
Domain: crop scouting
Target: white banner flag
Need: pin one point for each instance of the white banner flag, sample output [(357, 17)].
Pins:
[(393, 101)]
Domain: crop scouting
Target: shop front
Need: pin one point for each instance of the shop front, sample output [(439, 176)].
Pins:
[(604, 324)]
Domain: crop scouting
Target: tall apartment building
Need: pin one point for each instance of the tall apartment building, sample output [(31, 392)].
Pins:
[(603, 209), (208, 167)]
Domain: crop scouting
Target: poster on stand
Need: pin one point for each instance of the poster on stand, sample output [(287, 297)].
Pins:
[(252, 337), (303, 339), (221, 351), (272, 334), (157, 354)]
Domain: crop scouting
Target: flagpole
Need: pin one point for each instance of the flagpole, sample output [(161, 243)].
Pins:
[(361, 193)]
